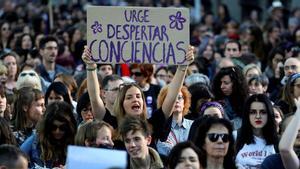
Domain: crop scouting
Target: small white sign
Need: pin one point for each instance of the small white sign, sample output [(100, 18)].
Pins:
[(95, 158)]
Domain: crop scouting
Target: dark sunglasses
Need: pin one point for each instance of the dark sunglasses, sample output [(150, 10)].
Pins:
[(62, 127), (136, 73), (213, 137), (24, 74)]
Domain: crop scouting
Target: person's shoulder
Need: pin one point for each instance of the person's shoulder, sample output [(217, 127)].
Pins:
[(61, 69), (155, 87)]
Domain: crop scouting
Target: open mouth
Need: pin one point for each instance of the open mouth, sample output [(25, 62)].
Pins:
[(136, 107)]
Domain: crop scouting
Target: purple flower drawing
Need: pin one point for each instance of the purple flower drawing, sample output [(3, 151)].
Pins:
[(96, 27), (177, 21)]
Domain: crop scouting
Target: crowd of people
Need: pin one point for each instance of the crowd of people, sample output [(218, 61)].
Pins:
[(234, 105)]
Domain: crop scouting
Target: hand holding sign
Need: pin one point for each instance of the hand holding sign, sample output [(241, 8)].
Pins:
[(87, 57), (138, 34), (189, 57)]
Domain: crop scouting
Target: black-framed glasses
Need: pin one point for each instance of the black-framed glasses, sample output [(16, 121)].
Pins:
[(136, 73), (62, 127), (213, 137), (24, 74)]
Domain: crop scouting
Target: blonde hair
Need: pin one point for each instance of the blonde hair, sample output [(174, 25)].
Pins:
[(186, 95), (3, 69), (249, 67)]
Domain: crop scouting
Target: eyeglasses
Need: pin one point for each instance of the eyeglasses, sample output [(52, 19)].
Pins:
[(24, 74), (292, 67), (161, 76), (180, 97), (213, 137), (136, 73), (62, 127)]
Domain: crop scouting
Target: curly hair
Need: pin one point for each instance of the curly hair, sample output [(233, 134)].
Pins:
[(239, 87), (186, 95)]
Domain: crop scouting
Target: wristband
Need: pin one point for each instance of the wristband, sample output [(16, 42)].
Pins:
[(91, 69)]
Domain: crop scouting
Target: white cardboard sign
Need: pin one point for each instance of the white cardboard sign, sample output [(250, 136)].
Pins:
[(138, 34), (95, 158)]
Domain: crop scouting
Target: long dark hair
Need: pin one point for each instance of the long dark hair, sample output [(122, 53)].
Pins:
[(199, 140), (6, 134), (24, 97), (60, 111), (245, 134), (239, 88)]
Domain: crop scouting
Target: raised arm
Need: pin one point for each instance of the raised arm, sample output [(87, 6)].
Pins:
[(289, 157), (175, 85), (93, 85)]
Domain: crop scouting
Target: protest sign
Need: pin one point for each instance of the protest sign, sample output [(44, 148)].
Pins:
[(138, 34), (95, 158)]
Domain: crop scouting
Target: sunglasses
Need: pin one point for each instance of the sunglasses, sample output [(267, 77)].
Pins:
[(136, 73), (180, 97), (213, 137), (62, 127), (24, 74)]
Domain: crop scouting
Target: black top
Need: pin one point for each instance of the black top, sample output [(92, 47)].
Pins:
[(110, 119), (272, 161), (151, 98)]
